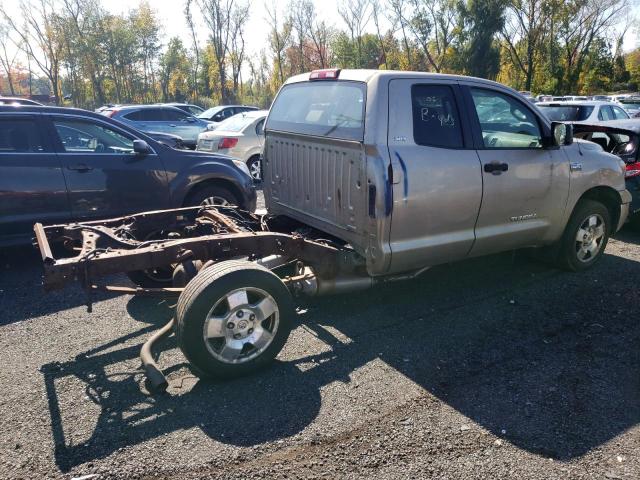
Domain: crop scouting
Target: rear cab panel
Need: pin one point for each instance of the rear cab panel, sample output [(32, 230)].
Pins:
[(322, 165)]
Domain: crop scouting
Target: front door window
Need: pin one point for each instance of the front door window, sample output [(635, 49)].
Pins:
[(505, 122)]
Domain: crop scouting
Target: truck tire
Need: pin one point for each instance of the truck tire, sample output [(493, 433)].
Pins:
[(585, 237), (212, 195), (233, 318)]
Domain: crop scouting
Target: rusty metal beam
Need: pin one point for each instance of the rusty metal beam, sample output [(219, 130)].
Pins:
[(43, 244)]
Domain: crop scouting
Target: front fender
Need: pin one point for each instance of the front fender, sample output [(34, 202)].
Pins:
[(592, 168), (182, 181)]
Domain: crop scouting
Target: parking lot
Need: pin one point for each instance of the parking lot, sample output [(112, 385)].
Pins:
[(498, 367)]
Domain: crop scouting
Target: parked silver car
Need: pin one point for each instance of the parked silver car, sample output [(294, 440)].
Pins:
[(159, 118), (220, 113), (240, 136), (582, 111)]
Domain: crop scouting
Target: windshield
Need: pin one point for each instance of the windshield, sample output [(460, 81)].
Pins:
[(237, 123), (210, 112), (566, 113), (628, 104), (322, 108)]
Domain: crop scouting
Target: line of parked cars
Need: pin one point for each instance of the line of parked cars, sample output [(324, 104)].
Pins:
[(183, 125), (630, 103)]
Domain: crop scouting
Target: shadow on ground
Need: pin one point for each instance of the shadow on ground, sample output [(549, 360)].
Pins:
[(549, 357), (21, 281)]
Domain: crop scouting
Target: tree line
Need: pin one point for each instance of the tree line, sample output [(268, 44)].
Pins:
[(87, 56)]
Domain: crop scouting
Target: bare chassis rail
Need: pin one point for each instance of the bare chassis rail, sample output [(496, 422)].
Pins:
[(101, 252)]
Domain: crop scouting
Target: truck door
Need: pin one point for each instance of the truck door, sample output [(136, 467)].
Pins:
[(525, 185), (437, 180)]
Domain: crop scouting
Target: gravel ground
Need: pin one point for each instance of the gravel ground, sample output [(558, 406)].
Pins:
[(497, 367)]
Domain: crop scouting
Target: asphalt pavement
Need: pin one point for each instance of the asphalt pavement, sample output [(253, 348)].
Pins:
[(497, 367)]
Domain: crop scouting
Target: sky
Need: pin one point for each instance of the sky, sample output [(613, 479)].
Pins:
[(171, 16), (170, 13)]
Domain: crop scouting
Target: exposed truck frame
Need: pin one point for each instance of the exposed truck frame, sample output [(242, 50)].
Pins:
[(195, 237), (188, 240)]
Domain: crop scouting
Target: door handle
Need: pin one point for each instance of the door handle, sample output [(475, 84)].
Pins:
[(496, 168), (372, 201), (80, 167), (172, 125)]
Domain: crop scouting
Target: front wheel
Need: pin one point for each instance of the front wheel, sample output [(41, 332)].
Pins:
[(212, 195), (233, 318), (585, 237)]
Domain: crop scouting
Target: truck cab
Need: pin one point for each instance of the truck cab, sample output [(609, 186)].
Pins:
[(416, 169)]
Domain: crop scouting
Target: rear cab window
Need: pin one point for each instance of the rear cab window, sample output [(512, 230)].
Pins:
[(333, 109), (436, 121)]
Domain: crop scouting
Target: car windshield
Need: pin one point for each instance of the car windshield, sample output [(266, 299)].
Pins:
[(327, 109), (209, 112), (567, 113), (631, 104), (237, 123)]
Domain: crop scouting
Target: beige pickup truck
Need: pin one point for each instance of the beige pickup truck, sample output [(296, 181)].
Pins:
[(369, 177)]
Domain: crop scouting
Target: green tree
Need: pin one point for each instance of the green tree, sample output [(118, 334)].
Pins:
[(481, 20), (174, 72)]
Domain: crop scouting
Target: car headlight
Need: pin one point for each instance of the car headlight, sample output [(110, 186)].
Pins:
[(242, 166)]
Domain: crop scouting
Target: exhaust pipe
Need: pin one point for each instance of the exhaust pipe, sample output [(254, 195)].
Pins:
[(157, 380), (308, 283)]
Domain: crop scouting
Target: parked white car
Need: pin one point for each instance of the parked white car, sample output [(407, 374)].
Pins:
[(240, 136), (590, 111)]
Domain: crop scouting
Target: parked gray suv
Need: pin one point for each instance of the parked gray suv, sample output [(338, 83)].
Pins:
[(160, 118), (62, 164)]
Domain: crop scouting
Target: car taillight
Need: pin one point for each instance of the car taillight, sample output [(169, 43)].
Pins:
[(326, 74), (227, 143), (633, 170)]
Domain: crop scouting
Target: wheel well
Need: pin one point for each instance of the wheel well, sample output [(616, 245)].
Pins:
[(255, 155), (609, 198), (214, 183)]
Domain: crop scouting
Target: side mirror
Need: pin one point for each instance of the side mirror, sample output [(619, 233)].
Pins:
[(562, 133), (140, 147), (191, 120)]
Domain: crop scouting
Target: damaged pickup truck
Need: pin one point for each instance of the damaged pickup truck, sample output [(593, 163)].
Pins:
[(369, 177)]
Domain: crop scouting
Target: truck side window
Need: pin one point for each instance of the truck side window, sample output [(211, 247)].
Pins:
[(436, 122), (505, 121)]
